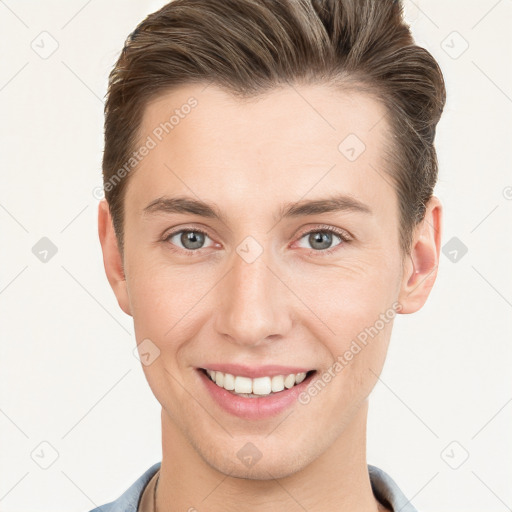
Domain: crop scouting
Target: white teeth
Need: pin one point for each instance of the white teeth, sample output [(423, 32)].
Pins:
[(229, 382), (299, 377), (289, 381), (260, 386), (277, 383), (243, 385)]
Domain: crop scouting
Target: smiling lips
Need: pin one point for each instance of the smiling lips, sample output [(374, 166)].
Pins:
[(254, 393), (260, 386)]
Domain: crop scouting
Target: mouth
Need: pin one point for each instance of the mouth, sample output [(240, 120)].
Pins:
[(258, 387)]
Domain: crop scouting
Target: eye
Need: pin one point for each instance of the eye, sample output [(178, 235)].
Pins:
[(190, 239), (321, 239)]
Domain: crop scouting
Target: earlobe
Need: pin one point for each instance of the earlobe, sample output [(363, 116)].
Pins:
[(112, 259), (421, 265)]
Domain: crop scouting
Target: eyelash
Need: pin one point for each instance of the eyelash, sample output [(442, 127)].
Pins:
[(345, 238)]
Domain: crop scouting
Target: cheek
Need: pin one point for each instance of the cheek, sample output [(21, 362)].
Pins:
[(165, 299), (358, 308), (357, 362), (352, 299)]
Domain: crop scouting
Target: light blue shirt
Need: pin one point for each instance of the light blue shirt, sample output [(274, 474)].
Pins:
[(384, 488)]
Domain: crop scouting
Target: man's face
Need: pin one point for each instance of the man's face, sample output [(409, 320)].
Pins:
[(259, 289)]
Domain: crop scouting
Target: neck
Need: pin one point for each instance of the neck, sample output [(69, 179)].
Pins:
[(336, 480)]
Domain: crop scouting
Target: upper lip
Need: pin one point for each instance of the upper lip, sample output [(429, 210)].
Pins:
[(253, 372)]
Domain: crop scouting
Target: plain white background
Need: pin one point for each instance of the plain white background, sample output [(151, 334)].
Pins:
[(73, 395)]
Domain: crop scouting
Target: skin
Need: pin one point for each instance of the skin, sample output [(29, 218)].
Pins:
[(291, 306)]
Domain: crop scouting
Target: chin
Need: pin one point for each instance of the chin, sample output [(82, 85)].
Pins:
[(250, 463)]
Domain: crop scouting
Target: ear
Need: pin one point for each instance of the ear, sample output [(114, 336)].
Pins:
[(112, 259), (420, 267)]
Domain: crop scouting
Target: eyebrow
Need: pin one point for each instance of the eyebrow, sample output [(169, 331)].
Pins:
[(184, 204)]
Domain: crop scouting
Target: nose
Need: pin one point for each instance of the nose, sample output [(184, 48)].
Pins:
[(253, 303)]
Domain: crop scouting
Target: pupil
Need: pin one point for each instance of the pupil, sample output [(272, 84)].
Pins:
[(192, 237), (317, 237)]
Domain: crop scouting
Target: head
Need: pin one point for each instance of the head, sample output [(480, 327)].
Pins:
[(269, 171)]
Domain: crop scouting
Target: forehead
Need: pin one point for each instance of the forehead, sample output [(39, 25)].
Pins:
[(296, 113), (288, 141)]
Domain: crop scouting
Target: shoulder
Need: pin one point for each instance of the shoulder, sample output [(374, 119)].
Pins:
[(129, 500), (387, 491)]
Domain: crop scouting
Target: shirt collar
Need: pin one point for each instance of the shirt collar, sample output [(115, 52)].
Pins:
[(384, 488)]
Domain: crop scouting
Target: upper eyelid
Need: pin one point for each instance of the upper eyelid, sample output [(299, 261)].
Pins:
[(331, 229), (301, 232)]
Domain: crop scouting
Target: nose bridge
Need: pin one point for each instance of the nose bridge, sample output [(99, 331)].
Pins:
[(253, 306)]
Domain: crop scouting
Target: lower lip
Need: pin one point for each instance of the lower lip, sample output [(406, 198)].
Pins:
[(262, 407)]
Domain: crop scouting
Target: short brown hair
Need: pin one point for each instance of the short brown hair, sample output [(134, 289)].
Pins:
[(249, 47)]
